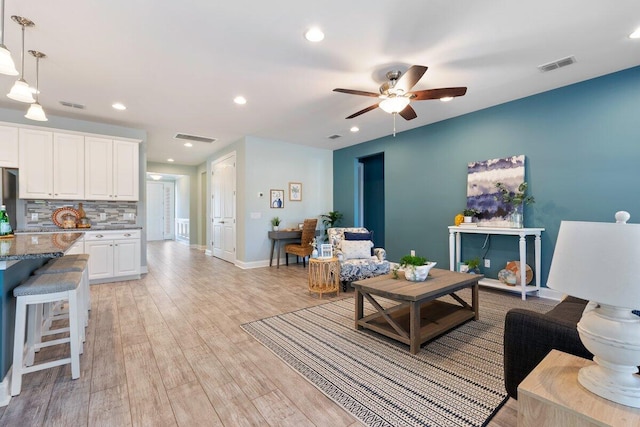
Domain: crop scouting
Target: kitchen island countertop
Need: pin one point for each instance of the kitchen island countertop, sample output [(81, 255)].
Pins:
[(34, 246)]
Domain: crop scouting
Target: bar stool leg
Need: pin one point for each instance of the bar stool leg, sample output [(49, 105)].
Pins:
[(18, 350), (74, 338)]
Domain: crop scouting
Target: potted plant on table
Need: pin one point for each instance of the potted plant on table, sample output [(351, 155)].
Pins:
[(469, 214), (275, 223), (416, 268), (516, 199)]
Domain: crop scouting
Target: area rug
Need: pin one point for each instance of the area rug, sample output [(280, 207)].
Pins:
[(455, 380)]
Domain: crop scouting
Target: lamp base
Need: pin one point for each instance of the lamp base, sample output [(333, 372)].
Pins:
[(614, 385), (612, 334)]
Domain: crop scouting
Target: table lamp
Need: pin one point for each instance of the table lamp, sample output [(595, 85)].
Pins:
[(600, 262)]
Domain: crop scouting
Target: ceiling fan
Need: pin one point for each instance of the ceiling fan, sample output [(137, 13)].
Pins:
[(395, 94)]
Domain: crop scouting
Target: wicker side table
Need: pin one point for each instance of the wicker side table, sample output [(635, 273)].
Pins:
[(324, 275)]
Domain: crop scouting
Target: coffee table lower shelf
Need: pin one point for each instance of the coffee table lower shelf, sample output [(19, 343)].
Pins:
[(436, 318)]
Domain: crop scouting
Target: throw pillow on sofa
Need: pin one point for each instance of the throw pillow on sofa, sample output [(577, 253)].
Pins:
[(355, 249), (359, 236)]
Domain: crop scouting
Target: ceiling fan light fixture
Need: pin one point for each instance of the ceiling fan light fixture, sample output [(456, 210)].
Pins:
[(36, 113), (446, 98), (394, 104), (635, 34)]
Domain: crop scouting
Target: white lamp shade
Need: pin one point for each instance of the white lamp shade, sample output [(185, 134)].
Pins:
[(36, 113), (394, 104), (21, 92), (598, 262), (7, 66)]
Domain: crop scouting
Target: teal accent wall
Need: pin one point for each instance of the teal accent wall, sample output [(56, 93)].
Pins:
[(582, 148)]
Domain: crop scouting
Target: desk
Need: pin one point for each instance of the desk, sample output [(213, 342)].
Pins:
[(552, 396), (276, 237), (454, 254)]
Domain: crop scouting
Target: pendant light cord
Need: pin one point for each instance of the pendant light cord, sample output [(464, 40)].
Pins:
[(22, 54), (2, 24), (37, 78)]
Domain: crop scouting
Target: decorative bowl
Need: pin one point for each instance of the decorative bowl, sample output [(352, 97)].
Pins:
[(418, 273)]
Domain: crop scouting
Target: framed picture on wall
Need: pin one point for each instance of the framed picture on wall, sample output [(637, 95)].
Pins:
[(276, 199), (295, 191)]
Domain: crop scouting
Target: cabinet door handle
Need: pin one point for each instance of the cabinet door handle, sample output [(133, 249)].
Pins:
[(127, 235), (99, 236)]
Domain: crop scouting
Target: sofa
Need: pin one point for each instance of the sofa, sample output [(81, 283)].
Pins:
[(356, 254), (529, 336)]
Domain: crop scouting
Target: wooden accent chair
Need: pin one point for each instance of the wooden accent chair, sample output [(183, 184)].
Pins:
[(304, 248)]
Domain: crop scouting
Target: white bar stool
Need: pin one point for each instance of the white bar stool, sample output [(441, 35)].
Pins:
[(35, 291), (66, 264)]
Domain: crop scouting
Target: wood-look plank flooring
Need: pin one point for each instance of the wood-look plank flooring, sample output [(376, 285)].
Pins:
[(168, 350)]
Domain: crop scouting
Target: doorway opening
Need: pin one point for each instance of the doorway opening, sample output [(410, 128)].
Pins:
[(370, 197)]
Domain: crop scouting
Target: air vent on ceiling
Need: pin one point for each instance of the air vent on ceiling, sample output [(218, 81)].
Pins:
[(563, 62), (72, 105), (335, 136), (194, 137)]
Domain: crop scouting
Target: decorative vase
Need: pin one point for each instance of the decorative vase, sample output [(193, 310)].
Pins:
[(418, 273), (517, 217), (314, 253)]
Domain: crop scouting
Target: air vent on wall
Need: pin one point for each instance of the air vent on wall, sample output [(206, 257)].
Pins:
[(72, 105), (335, 136), (563, 62), (196, 138)]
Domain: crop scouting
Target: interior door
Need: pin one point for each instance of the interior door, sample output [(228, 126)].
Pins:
[(155, 211), (223, 208)]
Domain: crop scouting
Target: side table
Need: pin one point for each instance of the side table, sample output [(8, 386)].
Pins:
[(552, 396), (324, 275)]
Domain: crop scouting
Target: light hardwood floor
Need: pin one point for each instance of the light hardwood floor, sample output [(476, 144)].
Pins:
[(168, 350)]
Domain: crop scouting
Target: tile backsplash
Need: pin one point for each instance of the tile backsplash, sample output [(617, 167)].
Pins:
[(114, 212)]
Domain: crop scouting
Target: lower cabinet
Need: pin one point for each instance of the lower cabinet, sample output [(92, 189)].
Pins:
[(113, 255)]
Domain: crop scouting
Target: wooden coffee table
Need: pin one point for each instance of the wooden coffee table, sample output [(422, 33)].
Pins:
[(418, 317)]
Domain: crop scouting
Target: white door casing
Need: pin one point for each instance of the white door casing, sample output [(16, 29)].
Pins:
[(160, 210), (223, 207)]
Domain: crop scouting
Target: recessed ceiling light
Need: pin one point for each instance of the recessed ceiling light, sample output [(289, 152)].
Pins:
[(240, 100), (314, 35), (354, 129), (188, 144), (635, 34), (119, 106), (446, 98), (156, 177), (170, 160)]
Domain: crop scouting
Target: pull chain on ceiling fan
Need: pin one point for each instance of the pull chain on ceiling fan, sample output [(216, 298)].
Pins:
[(396, 94)]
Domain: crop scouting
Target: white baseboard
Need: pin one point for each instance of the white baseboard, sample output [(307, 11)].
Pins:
[(5, 389), (550, 294), (208, 252), (144, 269)]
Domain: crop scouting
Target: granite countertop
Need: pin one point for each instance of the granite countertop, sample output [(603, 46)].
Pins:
[(76, 230), (34, 246)]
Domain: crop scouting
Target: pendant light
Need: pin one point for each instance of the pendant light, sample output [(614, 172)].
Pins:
[(35, 110), (7, 66), (20, 90)]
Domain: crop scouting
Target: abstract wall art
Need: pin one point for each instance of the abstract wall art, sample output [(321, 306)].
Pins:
[(481, 188)]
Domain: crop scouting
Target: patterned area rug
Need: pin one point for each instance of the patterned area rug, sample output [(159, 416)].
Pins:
[(455, 380)]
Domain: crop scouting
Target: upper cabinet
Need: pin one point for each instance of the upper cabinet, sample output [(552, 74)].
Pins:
[(113, 169), (71, 166), (51, 165), (8, 147)]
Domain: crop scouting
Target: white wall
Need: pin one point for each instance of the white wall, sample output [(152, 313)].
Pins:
[(272, 165), (262, 165), (183, 197)]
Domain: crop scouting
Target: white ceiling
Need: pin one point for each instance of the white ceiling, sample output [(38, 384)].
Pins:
[(178, 65)]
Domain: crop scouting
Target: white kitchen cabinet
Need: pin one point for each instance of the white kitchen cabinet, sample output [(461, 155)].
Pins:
[(51, 165), (8, 147), (113, 169), (113, 255)]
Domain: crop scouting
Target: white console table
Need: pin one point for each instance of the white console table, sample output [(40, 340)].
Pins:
[(454, 254)]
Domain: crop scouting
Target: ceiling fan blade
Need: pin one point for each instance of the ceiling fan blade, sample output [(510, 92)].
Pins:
[(410, 78), (421, 95), (357, 92), (408, 113), (366, 110)]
